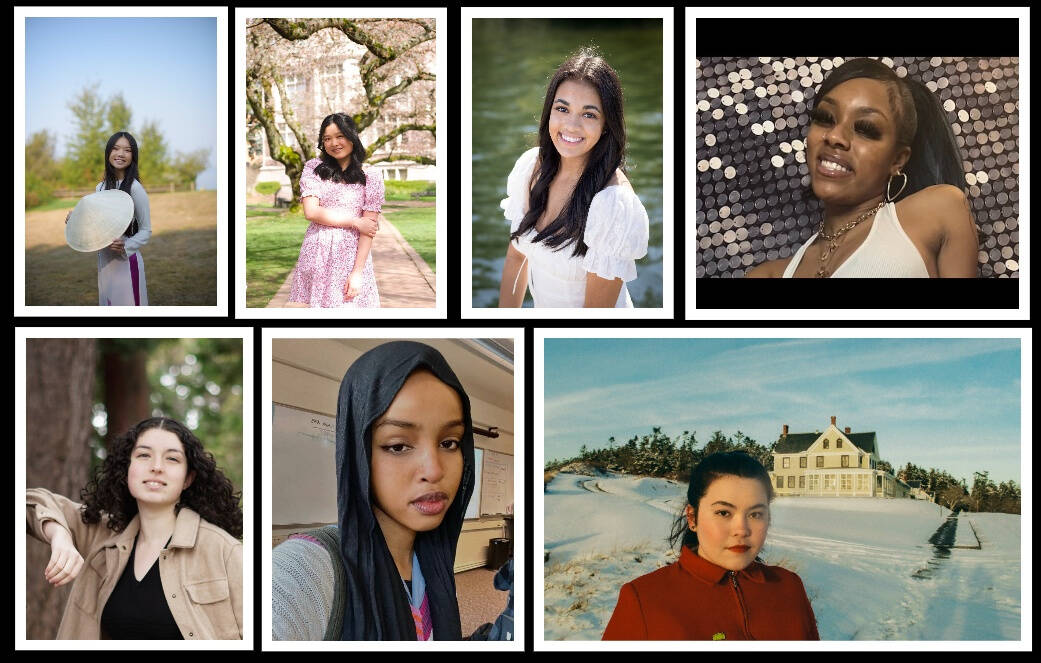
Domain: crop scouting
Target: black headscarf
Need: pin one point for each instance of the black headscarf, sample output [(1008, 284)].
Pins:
[(377, 606)]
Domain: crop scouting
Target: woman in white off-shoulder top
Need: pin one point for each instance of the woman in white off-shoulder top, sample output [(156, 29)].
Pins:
[(576, 225)]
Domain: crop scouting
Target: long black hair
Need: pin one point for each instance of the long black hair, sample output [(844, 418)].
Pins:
[(130, 172), (330, 169), (210, 494), (605, 158), (921, 124), (714, 466)]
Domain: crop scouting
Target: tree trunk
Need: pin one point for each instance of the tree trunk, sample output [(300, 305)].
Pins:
[(58, 408), (126, 390)]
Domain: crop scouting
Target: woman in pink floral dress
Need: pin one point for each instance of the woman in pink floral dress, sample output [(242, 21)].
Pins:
[(343, 202)]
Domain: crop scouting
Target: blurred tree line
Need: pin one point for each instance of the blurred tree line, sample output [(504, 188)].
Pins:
[(658, 455), (83, 166), (984, 495), (81, 393)]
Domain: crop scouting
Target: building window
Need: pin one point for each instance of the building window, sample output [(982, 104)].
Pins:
[(815, 483), (826, 441), (845, 461), (791, 481), (847, 482), (802, 481), (862, 482), (802, 461), (785, 462), (838, 443), (780, 481), (820, 461), (878, 481), (829, 482)]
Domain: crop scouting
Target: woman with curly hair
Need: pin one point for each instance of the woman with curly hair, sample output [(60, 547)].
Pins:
[(159, 528)]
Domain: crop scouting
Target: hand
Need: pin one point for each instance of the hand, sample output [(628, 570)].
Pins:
[(367, 226), (353, 286), (117, 246), (66, 562)]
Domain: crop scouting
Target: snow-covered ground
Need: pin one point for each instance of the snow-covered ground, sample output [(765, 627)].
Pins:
[(866, 563)]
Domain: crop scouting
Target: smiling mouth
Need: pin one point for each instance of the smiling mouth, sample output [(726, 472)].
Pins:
[(830, 168), (154, 484), (570, 140)]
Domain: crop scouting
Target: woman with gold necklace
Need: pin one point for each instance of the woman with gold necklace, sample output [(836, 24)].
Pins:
[(874, 136)]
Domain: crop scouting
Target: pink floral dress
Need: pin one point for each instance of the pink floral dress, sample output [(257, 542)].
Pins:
[(327, 254)]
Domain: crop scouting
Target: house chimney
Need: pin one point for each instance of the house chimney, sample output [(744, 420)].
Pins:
[(784, 430), (832, 420), (847, 430)]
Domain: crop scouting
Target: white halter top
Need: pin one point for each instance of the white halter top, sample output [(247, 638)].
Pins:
[(887, 252)]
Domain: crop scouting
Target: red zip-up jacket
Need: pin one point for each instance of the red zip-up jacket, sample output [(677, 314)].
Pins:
[(694, 599)]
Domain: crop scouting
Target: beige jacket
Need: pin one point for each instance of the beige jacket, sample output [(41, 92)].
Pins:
[(201, 570)]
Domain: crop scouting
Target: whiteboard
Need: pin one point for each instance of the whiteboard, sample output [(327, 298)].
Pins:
[(473, 509), (497, 484), (303, 467)]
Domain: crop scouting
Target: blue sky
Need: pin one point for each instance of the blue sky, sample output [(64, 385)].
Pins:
[(951, 404), (166, 69)]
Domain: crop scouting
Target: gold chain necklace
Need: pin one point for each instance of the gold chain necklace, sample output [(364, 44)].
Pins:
[(833, 240)]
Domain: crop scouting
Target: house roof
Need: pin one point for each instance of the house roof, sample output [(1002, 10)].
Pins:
[(798, 442)]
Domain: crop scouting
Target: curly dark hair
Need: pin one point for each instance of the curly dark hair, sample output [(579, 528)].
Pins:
[(210, 494)]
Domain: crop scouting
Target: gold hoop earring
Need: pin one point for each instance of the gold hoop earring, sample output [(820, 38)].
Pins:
[(891, 198)]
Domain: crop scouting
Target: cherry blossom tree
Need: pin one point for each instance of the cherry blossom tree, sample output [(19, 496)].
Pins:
[(387, 87)]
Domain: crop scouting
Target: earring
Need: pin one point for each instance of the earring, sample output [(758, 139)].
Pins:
[(891, 198)]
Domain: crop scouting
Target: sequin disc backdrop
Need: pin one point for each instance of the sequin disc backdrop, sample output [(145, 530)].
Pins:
[(752, 118)]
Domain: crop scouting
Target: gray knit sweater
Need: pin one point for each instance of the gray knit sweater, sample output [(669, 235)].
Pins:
[(303, 579)]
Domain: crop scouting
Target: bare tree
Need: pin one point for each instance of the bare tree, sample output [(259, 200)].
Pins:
[(397, 88), (59, 375)]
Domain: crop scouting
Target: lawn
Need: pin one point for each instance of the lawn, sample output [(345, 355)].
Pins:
[(273, 244), (272, 247), (416, 225), (180, 259), (57, 203), (410, 190)]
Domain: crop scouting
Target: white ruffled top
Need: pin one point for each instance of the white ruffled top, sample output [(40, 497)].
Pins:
[(616, 236)]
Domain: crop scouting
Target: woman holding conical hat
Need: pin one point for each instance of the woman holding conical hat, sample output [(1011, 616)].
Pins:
[(121, 268)]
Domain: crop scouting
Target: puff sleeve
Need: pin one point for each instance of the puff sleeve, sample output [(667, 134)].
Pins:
[(374, 190), (309, 182), (515, 203), (616, 234)]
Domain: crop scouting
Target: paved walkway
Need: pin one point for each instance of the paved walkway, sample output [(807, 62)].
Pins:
[(404, 279)]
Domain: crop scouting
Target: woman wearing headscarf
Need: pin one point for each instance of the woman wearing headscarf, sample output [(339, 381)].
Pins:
[(404, 476)]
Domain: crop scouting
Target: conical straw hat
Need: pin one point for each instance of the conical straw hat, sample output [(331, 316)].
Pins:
[(98, 219)]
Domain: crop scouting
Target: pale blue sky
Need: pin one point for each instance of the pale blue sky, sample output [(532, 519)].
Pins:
[(952, 404), (166, 69)]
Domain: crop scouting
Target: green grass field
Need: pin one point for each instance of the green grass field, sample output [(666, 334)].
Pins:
[(273, 240), (57, 203), (398, 190), (272, 247)]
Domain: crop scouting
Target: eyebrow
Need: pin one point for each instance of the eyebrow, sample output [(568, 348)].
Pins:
[(590, 106), (145, 446), (401, 423), (757, 506), (863, 110)]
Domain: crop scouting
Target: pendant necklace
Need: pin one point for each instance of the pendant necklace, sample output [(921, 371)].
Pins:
[(833, 239)]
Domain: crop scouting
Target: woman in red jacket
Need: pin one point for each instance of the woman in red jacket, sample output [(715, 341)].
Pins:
[(719, 589)]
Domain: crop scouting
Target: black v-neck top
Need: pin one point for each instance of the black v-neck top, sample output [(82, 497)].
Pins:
[(138, 610)]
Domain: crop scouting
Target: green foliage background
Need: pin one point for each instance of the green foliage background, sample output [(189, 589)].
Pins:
[(197, 381)]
